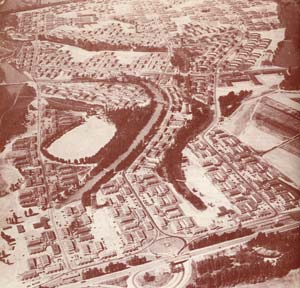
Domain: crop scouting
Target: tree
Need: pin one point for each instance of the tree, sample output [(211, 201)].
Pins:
[(148, 277), (30, 212)]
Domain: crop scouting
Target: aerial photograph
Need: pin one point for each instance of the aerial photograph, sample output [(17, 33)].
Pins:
[(149, 143)]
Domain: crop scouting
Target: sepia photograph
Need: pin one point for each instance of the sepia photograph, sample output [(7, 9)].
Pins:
[(150, 143)]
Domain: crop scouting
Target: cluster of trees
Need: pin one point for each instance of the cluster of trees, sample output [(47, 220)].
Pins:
[(91, 45), (230, 102), (110, 268), (136, 260), (129, 122), (92, 273), (249, 267), (291, 79), (73, 105), (171, 164), (2, 75), (288, 51), (181, 59), (289, 16), (6, 100), (149, 277), (86, 197), (281, 242), (15, 120), (215, 238)]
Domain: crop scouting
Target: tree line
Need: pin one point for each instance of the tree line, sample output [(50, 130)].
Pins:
[(216, 238), (91, 45), (170, 167)]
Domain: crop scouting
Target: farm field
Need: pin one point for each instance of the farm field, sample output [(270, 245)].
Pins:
[(287, 163), (85, 140), (258, 139), (293, 147)]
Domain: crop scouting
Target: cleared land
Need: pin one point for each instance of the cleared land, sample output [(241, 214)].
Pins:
[(197, 181), (287, 163), (84, 140)]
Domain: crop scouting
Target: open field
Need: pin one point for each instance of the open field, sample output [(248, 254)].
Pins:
[(287, 163), (259, 139), (276, 35), (243, 125), (288, 99), (85, 140), (270, 79), (196, 180), (236, 123)]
